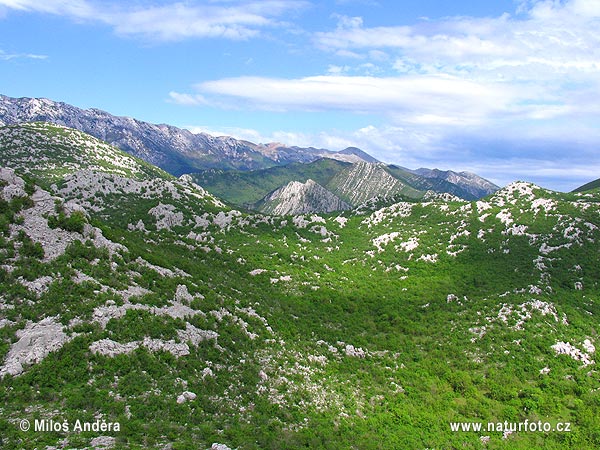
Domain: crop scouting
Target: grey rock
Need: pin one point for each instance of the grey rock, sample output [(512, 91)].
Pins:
[(35, 342), (301, 198)]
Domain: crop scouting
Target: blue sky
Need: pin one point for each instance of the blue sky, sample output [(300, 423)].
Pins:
[(509, 89)]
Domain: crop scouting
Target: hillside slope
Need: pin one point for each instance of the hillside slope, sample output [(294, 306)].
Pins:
[(588, 186), (474, 185), (297, 198), (354, 183), (246, 188), (363, 181), (145, 302)]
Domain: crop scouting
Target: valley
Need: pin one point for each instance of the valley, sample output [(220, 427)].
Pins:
[(130, 295)]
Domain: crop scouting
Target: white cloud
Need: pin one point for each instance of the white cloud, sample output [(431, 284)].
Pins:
[(457, 71), (10, 56), (522, 88), (418, 99), (187, 99), (549, 36), (169, 22)]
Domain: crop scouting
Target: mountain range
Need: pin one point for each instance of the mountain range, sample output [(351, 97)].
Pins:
[(176, 150), (129, 296), (349, 183), (248, 174)]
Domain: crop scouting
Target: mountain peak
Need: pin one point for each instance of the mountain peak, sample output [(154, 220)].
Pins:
[(360, 153), (300, 198)]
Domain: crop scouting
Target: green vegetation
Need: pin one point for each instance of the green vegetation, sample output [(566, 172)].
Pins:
[(74, 222), (588, 186), (245, 188), (372, 329)]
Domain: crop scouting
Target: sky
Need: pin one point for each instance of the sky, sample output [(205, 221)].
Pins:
[(508, 89)]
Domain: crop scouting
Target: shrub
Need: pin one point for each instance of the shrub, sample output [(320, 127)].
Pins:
[(75, 222)]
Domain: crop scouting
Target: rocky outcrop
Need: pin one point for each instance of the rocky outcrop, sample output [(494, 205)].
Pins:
[(363, 181), (54, 241), (35, 342), (301, 198), (186, 397), (110, 348)]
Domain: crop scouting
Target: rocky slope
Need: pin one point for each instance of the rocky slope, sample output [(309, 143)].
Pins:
[(301, 198), (128, 296), (364, 181), (471, 183), (175, 150), (354, 183)]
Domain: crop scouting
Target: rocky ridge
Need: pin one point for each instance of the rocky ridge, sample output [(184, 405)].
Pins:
[(173, 149), (301, 198)]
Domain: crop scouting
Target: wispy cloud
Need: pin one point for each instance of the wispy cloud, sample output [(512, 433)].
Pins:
[(559, 37), (236, 20), (187, 99), (427, 99), (4, 56)]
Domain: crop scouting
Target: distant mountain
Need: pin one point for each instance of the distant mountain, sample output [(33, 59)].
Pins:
[(353, 183), (588, 186), (300, 198), (173, 149), (246, 188), (473, 184), (363, 181), (359, 154), (242, 172)]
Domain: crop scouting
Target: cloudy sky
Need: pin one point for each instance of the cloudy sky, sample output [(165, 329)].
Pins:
[(509, 89)]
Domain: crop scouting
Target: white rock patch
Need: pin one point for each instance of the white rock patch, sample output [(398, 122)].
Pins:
[(35, 342)]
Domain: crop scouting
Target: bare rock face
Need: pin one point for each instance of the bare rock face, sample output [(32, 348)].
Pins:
[(35, 342), (15, 185), (110, 348), (364, 181), (196, 335), (217, 446), (301, 198), (166, 216)]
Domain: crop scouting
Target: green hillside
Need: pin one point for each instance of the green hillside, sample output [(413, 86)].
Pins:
[(150, 304), (247, 188), (49, 152), (588, 186), (353, 183)]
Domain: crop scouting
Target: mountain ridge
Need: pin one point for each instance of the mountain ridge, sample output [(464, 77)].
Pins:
[(296, 198), (173, 149)]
